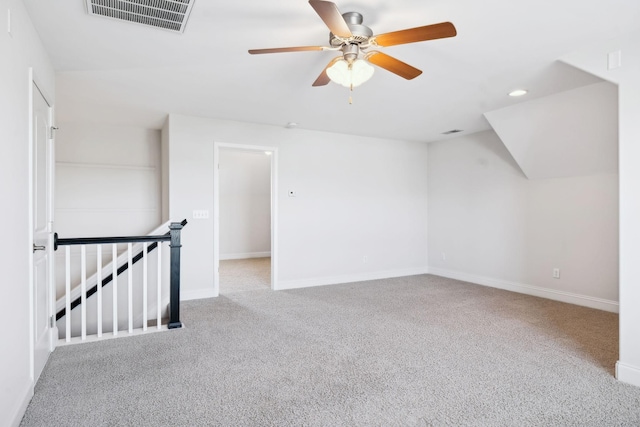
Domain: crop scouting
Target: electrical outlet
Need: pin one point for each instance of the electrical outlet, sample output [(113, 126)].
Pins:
[(365, 259), (556, 273), (444, 256)]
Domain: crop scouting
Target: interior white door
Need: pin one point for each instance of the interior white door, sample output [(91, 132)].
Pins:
[(42, 238)]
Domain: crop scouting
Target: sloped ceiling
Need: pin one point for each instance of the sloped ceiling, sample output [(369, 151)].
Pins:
[(571, 133), (122, 73)]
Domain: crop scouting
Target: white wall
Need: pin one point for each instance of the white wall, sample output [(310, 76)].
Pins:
[(356, 197), (20, 50), (164, 171), (571, 133), (594, 60), (498, 228), (108, 180), (245, 204)]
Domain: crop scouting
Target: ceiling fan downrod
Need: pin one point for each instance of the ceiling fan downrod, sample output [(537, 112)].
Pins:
[(350, 52)]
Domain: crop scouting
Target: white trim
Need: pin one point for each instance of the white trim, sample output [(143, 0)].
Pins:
[(216, 210), (350, 278), (628, 374), (225, 257), (16, 418), (197, 294), (108, 210), (216, 220), (274, 218), (568, 297), (29, 248), (109, 335), (53, 332), (106, 166)]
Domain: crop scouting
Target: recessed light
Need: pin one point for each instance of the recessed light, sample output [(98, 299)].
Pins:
[(268, 153), (518, 92), (291, 125), (449, 132)]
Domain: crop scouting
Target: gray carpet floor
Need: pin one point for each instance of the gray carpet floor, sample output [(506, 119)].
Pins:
[(412, 351), (239, 275)]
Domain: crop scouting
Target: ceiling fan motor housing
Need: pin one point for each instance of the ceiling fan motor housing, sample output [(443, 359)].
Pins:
[(360, 33)]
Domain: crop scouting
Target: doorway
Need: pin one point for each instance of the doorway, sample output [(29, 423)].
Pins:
[(245, 218), (41, 151)]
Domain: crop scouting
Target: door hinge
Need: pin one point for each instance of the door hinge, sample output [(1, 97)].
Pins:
[(53, 321), (53, 129)]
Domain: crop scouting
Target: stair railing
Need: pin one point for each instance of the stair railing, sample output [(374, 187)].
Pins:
[(149, 243)]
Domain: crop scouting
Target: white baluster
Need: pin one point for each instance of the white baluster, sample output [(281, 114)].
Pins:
[(130, 286), (83, 291), (114, 256), (99, 285), (144, 286), (67, 293), (159, 288)]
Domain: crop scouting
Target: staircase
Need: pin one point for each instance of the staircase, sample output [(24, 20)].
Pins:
[(134, 288)]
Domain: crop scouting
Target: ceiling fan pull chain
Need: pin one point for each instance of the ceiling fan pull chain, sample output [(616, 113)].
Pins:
[(350, 93)]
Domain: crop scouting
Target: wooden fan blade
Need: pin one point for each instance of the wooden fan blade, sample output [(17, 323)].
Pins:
[(332, 17), (323, 79), (419, 34), (392, 64), (285, 49)]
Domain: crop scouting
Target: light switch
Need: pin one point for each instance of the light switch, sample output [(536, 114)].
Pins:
[(614, 60), (201, 214)]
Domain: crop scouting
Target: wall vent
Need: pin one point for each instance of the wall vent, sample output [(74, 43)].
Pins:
[(449, 132), (170, 15)]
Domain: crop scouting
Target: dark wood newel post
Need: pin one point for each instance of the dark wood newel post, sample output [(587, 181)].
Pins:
[(174, 304)]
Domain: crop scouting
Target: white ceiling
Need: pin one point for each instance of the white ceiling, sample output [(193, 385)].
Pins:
[(122, 73)]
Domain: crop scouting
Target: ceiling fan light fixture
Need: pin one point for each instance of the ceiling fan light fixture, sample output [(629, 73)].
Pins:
[(350, 75)]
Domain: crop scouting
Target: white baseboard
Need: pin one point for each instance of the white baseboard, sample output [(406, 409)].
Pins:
[(335, 280), (628, 374), (197, 294), (16, 417), (568, 297), (247, 255)]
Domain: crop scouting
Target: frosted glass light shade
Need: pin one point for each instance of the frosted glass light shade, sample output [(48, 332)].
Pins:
[(350, 76)]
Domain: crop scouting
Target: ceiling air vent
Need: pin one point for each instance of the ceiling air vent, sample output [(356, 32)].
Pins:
[(166, 14), (449, 132)]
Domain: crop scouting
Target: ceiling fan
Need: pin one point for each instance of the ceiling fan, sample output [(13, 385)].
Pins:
[(354, 40)]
